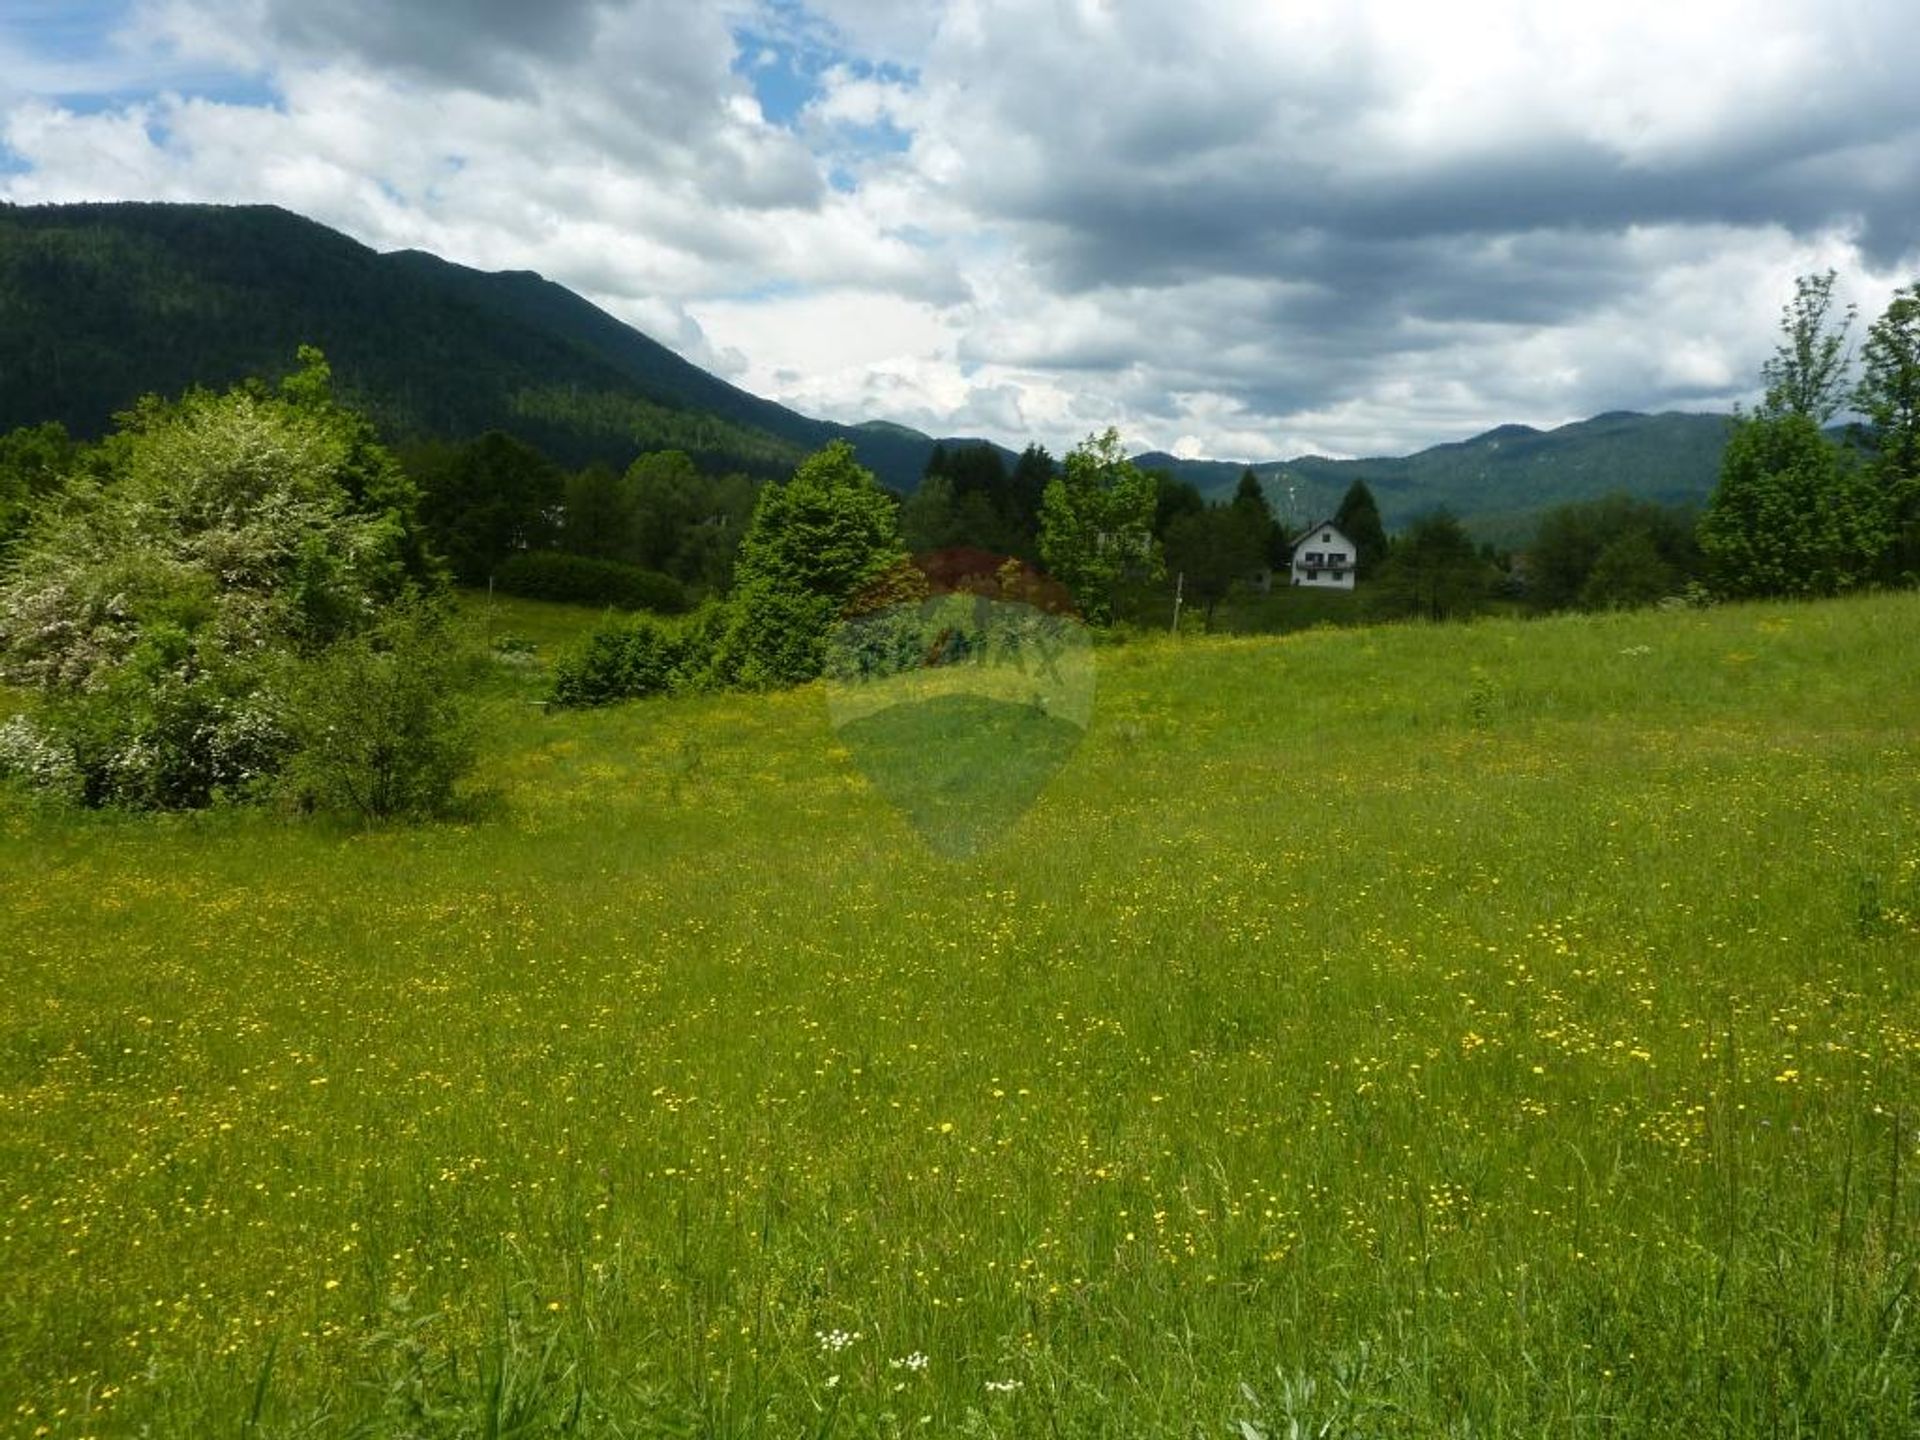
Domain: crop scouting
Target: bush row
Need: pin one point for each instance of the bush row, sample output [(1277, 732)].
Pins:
[(579, 580), (642, 655)]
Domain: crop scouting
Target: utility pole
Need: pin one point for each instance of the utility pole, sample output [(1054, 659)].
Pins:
[(1179, 593)]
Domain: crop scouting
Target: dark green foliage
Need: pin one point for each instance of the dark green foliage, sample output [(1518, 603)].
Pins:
[(1032, 473), (1250, 499), (596, 515), (1572, 538), (1359, 520), (578, 580), (1629, 572), (34, 463), (969, 497), (1432, 572), (1096, 525), (105, 303), (1220, 547), (1173, 501), (485, 500), (1795, 514), (683, 523), (929, 518), (634, 658), (380, 725), (1888, 395), (814, 541)]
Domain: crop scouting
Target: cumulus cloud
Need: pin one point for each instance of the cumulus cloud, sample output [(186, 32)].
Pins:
[(1238, 227)]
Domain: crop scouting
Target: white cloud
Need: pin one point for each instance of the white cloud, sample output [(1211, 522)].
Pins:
[(1241, 227)]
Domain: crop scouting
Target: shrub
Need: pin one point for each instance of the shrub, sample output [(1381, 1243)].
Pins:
[(581, 580), (177, 723), (155, 600), (381, 725), (630, 659)]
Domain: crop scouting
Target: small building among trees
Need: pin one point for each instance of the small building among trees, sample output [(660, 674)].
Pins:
[(1325, 557)]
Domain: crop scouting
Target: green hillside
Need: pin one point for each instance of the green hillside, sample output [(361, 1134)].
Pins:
[(102, 303), (1501, 480), (1506, 1030)]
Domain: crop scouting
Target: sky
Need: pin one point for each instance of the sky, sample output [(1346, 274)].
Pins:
[(1242, 229)]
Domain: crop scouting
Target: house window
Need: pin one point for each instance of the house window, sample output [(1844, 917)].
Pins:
[(1325, 536), (1313, 574), (1313, 557), (1337, 557)]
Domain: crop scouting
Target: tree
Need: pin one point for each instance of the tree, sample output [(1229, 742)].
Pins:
[(1214, 550), (1359, 520), (487, 499), (927, 518), (1808, 372), (1572, 538), (1032, 473), (1432, 571), (1888, 396), (156, 603), (1627, 573), (1793, 514), (1250, 501), (684, 523), (1096, 524), (1173, 501), (813, 544), (34, 463), (596, 514)]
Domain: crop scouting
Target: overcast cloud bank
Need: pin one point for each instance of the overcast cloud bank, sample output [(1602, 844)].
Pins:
[(1237, 228)]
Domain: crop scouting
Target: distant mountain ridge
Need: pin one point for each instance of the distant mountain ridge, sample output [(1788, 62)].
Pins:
[(102, 303), (1499, 481)]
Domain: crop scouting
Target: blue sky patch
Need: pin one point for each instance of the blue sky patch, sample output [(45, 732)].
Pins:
[(79, 38), (65, 29)]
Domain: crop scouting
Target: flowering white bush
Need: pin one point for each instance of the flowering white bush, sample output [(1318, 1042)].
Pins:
[(28, 753), (157, 605)]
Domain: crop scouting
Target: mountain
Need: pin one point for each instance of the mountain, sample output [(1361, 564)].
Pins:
[(100, 304), (1499, 482)]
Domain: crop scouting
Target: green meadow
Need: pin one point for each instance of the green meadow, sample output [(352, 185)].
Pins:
[(1507, 1029)]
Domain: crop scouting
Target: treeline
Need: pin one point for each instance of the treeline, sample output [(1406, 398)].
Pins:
[(1799, 510), (659, 535)]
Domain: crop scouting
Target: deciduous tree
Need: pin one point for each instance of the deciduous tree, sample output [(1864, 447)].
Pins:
[(1432, 571), (1096, 524), (1808, 372), (1888, 396), (1793, 514)]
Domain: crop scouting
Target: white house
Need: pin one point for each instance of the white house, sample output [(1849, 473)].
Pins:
[(1324, 557)]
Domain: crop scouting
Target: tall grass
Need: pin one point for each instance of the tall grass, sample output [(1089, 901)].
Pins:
[(1507, 1029)]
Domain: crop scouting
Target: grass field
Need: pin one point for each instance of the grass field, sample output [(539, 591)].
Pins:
[(1507, 1029)]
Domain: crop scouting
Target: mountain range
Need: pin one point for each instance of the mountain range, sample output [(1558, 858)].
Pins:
[(101, 303)]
